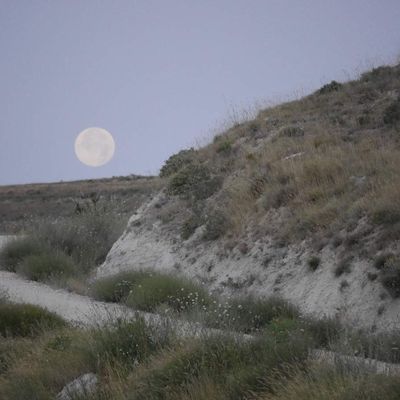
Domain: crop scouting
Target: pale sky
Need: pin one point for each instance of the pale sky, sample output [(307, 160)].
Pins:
[(162, 75)]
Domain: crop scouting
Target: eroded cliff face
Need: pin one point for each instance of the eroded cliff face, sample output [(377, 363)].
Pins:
[(256, 266)]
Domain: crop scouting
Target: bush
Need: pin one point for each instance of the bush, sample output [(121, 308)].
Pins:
[(236, 367), (292, 131), (176, 162), (47, 266), (125, 343), (194, 181), (248, 314), (190, 225), (391, 115), (382, 260), (156, 290), (224, 147), (324, 331), (344, 266), (390, 277), (330, 87), (86, 237), (314, 262), (26, 320), (216, 225), (14, 252), (116, 288)]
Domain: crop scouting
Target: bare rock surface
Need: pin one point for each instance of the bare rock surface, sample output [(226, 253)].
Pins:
[(84, 385)]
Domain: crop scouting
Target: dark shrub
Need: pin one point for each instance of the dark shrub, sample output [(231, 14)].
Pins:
[(391, 115), (344, 266), (224, 147), (292, 131), (382, 259), (216, 225), (324, 331), (47, 266), (190, 225), (390, 277), (194, 181), (314, 262), (330, 87), (26, 320), (116, 288), (13, 253), (177, 293), (249, 314), (176, 162), (125, 343)]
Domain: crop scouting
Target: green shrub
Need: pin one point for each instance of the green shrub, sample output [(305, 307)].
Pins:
[(237, 367), (176, 162), (86, 237), (390, 277), (13, 253), (330, 87), (225, 147), (116, 288), (190, 225), (125, 343), (344, 266), (177, 293), (391, 115), (314, 262), (382, 260), (47, 266), (194, 181), (249, 314), (292, 131), (324, 331), (26, 320), (217, 223)]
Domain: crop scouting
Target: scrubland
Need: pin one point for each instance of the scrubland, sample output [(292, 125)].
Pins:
[(323, 168)]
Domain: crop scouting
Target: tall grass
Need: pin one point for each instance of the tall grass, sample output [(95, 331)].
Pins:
[(26, 319)]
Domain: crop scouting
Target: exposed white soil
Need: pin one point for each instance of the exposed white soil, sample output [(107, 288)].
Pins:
[(263, 269)]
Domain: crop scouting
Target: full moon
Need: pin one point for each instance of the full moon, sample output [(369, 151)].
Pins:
[(94, 147)]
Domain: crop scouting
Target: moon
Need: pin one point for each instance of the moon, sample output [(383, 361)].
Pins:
[(94, 147)]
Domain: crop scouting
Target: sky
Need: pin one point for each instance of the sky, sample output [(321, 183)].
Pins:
[(165, 75)]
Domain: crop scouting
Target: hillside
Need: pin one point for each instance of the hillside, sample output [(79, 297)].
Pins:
[(302, 201)]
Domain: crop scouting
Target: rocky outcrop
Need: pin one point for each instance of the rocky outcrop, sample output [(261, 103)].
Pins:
[(258, 266)]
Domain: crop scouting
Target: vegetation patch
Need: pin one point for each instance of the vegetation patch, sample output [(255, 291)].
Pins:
[(49, 266), (390, 277), (26, 320), (330, 87), (157, 290), (116, 288), (194, 181), (217, 223), (125, 343), (14, 252), (391, 115), (176, 162), (343, 267), (314, 262)]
